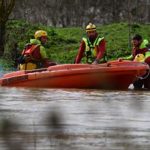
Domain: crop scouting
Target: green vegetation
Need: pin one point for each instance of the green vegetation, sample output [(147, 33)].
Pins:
[(63, 43)]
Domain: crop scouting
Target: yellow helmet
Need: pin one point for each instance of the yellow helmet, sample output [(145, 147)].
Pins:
[(90, 27), (139, 58), (40, 33)]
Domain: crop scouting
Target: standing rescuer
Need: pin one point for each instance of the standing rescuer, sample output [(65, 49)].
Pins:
[(34, 55), (92, 46)]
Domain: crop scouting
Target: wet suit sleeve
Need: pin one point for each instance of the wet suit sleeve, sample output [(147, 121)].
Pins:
[(80, 52), (101, 48)]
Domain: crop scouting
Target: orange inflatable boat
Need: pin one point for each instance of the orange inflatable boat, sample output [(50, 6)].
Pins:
[(110, 75)]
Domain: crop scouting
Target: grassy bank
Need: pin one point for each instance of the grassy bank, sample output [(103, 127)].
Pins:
[(63, 43)]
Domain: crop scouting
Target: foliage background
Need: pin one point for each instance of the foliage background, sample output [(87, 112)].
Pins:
[(63, 43)]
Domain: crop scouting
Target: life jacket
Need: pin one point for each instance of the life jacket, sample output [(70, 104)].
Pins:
[(144, 48), (144, 44), (31, 53), (27, 66), (147, 53), (147, 57), (141, 50), (90, 49), (144, 55), (30, 57)]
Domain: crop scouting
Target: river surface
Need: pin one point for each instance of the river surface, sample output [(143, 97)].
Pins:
[(65, 119)]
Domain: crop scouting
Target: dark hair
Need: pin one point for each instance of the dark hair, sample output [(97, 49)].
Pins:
[(137, 37)]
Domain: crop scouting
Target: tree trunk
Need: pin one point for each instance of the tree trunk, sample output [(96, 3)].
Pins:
[(2, 38), (6, 7)]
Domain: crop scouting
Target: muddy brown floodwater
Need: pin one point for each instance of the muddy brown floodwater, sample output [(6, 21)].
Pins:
[(71, 119)]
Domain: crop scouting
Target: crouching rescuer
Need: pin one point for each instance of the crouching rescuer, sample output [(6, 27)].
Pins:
[(141, 53), (145, 80), (34, 54)]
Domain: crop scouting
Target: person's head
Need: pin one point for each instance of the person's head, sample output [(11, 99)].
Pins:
[(41, 35), (91, 31), (137, 40)]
